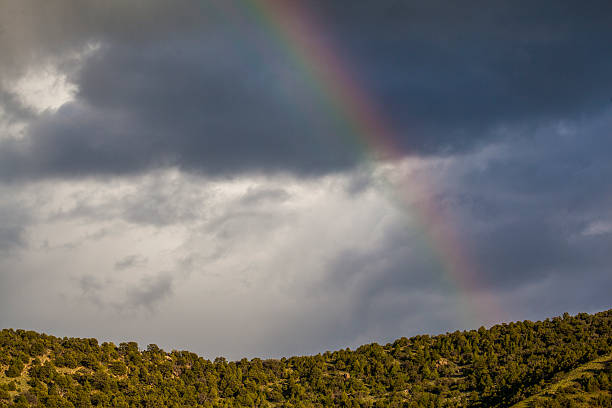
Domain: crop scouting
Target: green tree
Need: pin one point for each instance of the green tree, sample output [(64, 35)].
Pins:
[(15, 368)]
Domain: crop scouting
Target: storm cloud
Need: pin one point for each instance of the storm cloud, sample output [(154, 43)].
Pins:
[(187, 174), (163, 87)]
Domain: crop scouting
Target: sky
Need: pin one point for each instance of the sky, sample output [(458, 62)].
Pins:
[(268, 178)]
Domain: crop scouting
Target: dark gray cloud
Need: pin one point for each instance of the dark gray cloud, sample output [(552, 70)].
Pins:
[(10, 237), (150, 291), (130, 261), (528, 215), (145, 293), (12, 109), (222, 96), (478, 63), (14, 219), (91, 288), (535, 211), (158, 199)]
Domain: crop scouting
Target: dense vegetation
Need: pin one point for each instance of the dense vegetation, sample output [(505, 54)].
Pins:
[(479, 368), (590, 385)]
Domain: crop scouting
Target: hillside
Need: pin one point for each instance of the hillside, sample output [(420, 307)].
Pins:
[(497, 367), (586, 386)]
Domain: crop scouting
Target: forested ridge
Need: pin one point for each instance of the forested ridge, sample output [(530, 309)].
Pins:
[(494, 367)]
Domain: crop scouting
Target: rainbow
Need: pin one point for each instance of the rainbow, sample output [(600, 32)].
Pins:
[(289, 23)]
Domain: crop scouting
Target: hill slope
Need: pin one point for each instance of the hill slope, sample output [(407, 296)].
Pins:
[(497, 367), (589, 385)]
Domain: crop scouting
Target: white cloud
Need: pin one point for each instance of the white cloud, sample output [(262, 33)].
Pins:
[(598, 228), (201, 249), (43, 89)]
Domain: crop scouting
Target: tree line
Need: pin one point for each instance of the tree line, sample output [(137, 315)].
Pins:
[(493, 367)]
